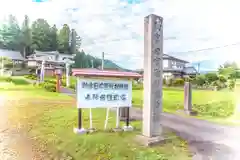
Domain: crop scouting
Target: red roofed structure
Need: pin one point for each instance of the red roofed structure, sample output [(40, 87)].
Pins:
[(104, 73)]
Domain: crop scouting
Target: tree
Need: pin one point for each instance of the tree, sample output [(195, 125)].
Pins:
[(54, 38), (11, 34), (229, 70), (211, 77), (200, 80), (26, 37), (64, 39), (229, 64), (41, 35)]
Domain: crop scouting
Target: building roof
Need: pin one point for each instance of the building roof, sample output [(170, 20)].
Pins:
[(104, 73), (165, 56), (45, 53), (14, 55), (189, 70)]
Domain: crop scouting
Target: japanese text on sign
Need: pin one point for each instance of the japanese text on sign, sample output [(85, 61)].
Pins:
[(102, 93)]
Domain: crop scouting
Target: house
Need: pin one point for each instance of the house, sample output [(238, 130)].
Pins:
[(175, 67), (52, 59), (14, 56), (17, 62)]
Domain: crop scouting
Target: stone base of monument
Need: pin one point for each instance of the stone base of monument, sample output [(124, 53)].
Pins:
[(128, 128), (91, 130), (117, 129), (189, 112), (150, 141), (79, 131)]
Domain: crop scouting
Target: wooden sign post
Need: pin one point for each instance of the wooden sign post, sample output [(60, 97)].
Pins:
[(58, 73), (103, 89)]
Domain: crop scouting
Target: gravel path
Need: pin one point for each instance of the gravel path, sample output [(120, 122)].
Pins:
[(14, 145), (208, 141)]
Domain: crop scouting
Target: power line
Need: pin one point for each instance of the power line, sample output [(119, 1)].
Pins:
[(211, 48)]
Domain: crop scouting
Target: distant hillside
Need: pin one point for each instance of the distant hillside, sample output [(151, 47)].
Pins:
[(108, 64)]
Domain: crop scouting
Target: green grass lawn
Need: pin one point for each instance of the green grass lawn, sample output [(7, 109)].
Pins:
[(51, 125), (216, 106)]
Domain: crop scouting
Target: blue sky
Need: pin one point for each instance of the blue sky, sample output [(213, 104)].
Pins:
[(116, 27)]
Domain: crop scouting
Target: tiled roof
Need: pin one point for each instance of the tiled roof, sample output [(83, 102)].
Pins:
[(16, 55), (190, 70), (165, 56), (104, 73)]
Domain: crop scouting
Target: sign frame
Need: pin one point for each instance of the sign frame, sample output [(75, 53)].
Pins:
[(103, 75)]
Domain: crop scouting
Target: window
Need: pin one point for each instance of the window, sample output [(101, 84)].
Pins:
[(165, 63)]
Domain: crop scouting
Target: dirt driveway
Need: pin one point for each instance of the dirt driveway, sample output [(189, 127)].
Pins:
[(14, 144)]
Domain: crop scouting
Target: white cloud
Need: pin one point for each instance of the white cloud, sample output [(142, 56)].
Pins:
[(116, 28)]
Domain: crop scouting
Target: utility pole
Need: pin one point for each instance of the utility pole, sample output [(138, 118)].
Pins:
[(102, 60), (198, 68), (92, 63)]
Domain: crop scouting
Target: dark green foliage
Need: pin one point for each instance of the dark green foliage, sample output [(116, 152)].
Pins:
[(231, 84), (5, 79), (83, 60), (31, 76), (200, 80), (178, 82), (9, 79), (222, 78), (51, 87), (219, 84), (211, 77)]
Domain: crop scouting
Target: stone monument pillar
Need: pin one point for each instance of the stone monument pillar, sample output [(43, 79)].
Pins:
[(188, 99), (42, 71), (67, 74), (153, 70)]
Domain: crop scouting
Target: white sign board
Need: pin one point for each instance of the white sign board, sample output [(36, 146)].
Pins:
[(102, 93)]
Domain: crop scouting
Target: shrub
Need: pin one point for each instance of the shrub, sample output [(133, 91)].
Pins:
[(164, 81), (231, 84), (72, 86), (211, 77), (221, 78), (53, 81), (178, 82), (138, 86), (9, 79), (31, 76), (49, 86), (169, 82), (200, 80), (5, 79), (218, 84)]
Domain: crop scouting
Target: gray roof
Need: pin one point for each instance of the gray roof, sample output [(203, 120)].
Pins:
[(46, 52), (165, 56), (14, 55), (190, 70)]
